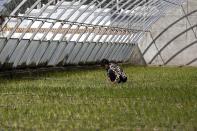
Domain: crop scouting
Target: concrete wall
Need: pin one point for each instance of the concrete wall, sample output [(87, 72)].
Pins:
[(174, 53)]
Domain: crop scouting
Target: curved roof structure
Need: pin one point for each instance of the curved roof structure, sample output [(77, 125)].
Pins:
[(59, 32), (173, 39)]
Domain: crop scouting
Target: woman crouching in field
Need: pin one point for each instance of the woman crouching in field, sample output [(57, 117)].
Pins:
[(114, 73)]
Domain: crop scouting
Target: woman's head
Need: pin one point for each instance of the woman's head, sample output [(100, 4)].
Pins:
[(105, 63)]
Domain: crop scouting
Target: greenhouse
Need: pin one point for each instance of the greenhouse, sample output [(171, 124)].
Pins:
[(59, 32), (98, 65)]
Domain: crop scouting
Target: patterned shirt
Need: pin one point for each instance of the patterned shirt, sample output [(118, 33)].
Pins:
[(114, 72)]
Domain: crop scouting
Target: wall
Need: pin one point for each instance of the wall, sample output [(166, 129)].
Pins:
[(166, 49)]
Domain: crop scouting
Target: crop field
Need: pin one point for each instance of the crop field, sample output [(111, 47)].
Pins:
[(154, 98)]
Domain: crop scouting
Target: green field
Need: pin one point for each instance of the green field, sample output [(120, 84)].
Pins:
[(154, 98)]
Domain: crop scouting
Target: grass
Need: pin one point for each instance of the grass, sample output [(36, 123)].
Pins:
[(153, 99)]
